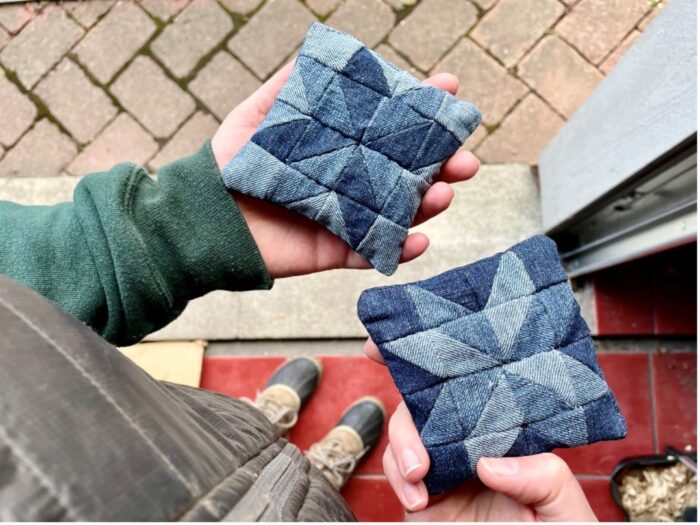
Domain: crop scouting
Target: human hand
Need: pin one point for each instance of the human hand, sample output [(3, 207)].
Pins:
[(290, 243), (531, 488)]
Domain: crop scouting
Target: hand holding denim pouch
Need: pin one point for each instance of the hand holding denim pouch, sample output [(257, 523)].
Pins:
[(352, 143), (493, 359)]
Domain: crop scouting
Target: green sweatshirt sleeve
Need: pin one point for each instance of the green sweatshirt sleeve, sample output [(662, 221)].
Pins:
[(129, 252)]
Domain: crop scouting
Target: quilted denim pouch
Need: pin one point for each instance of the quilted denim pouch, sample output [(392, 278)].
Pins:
[(352, 143), (493, 359)]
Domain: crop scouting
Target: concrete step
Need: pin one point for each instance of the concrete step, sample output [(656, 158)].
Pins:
[(490, 213)]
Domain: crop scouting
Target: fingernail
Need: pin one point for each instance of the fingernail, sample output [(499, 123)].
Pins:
[(501, 466), (412, 495), (409, 462)]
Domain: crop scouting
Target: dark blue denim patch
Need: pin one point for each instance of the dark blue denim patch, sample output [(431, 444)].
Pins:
[(352, 143), (493, 359)]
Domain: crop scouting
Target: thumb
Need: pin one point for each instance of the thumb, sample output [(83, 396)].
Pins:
[(543, 482)]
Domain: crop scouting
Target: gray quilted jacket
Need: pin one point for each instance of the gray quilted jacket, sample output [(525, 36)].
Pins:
[(86, 435)]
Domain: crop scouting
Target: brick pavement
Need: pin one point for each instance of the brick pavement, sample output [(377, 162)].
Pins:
[(97, 82)]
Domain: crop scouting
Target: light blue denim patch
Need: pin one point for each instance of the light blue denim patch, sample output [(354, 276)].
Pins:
[(493, 359), (352, 143)]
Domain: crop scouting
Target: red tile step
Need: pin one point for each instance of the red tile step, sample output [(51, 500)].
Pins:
[(675, 400)]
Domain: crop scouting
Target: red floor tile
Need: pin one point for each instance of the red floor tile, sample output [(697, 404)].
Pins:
[(598, 494), (623, 299), (675, 288), (371, 499), (345, 379), (627, 375), (675, 393)]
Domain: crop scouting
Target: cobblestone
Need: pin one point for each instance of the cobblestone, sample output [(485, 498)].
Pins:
[(4, 37), (87, 13), (17, 110), (518, 139), (271, 35), (222, 84), (186, 141), (122, 141), (559, 74), (367, 20), (431, 29), (155, 100), (242, 7), (322, 7), (595, 27), (114, 40), (193, 33), (14, 17), (482, 80), (40, 45), (81, 107), (42, 152), (164, 10), (513, 26)]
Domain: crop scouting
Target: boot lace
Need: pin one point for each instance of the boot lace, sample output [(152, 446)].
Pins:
[(332, 458), (282, 416)]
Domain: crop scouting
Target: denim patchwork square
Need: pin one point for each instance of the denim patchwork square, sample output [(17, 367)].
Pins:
[(493, 359), (352, 143)]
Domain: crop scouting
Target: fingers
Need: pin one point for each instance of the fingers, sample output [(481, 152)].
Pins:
[(436, 200), (415, 245), (408, 450), (372, 351), (461, 166), (413, 496), (543, 481), (445, 81)]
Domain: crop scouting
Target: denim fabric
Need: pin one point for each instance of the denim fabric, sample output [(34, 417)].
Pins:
[(493, 359), (352, 143)]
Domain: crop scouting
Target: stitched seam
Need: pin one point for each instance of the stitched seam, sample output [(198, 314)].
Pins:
[(131, 422), (500, 365), (418, 88), (35, 471), (470, 314), (524, 425), (327, 187)]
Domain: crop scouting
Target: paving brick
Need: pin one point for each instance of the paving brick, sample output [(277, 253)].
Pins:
[(195, 32), (87, 13), (595, 27), (392, 56), (367, 20), (164, 9), (242, 7), (397, 5), (42, 152), (559, 74), (485, 4), (4, 37), (483, 81), (431, 29), (651, 15), (155, 100), (222, 84), (114, 40), (40, 45), (513, 26), (613, 58), (17, 110), (15, 17), (322, 7), (82, 107), (122, 141), (271, 35), (186, 141), (522, 135)]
